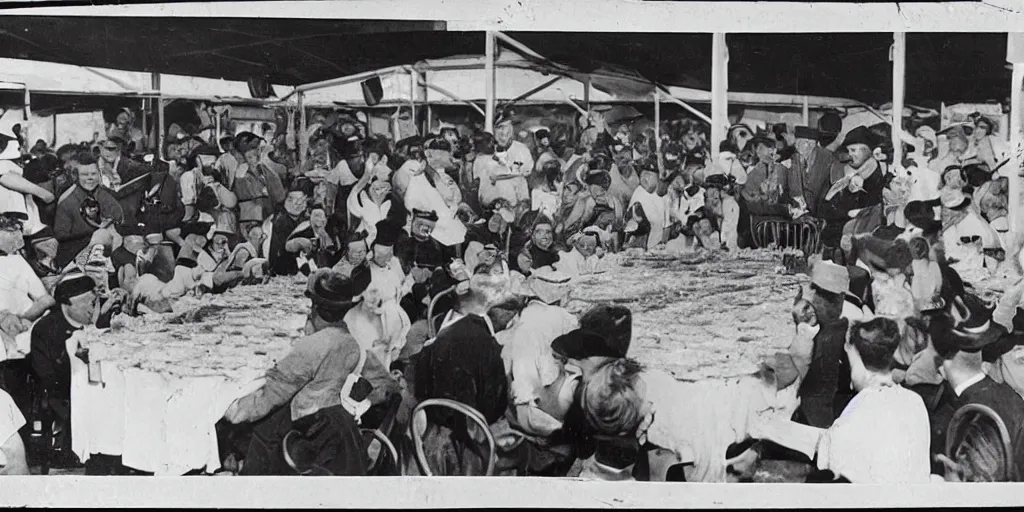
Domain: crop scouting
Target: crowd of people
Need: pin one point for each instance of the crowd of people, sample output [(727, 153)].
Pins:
[(438, 267)]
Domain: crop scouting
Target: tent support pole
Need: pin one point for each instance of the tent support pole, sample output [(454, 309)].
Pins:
[(27, 114), (413, 86), (657, 130), (899, 69), (143, 115), (424, 90), (54, 145), (490, 78), (159, 121), (1016, 140), (719, 91), (303, 136), (586, 92), (807, 112)]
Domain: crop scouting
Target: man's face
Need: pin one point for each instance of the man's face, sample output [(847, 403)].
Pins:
[(452, 138), (81, 308), (109, 151), (496, 224), (587, 245), (805, 146), (957, 145), (196, 241), (543, 236), (295, 203), (255, 236), (379, 189), (252, 157), (649, 181), (219, 244), (356, 252), (122, 119), (597, 191), (740, 137), (134, 243), (89, 177), (382, 254), (691, 140), (859, 154), (504, 133), (422, 228), (765, 154), (12, 239)]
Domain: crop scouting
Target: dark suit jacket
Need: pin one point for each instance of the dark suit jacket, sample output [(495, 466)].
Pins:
[(50, 361), (825, 390), (813, 176)]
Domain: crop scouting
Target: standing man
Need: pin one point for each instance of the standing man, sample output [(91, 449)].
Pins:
[(812, 169)]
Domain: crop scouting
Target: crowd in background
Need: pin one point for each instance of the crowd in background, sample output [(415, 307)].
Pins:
[(446, 257)]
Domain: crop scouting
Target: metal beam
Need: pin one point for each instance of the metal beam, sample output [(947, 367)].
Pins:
[(454, 97), (531, 92)]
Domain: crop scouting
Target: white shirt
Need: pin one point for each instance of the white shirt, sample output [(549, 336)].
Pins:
[(390, 280), (968, 383), (11, 420), (14, 201), (370, 213), (19, 285), (545, 202), (881, 437), (656, 209), (527, 348)]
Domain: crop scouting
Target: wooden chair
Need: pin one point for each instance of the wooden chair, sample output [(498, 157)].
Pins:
[(974, 415), (418, 428), (432, 317), (803, 234)]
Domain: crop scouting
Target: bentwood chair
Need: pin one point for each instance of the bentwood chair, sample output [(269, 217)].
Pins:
[(434, 318), (803, 234), (978, 441), (419, 424)]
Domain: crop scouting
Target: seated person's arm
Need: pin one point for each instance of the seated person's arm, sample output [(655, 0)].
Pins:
[(283, 381)]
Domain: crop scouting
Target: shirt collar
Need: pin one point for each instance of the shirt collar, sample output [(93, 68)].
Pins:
[(959, 390), (490, 325)]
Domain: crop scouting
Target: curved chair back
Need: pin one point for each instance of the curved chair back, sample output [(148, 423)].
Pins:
[(431, 323), (962, 419), (379, 449), (471, 413)]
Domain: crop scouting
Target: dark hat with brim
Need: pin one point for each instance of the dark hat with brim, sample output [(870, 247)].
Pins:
[(331, 289), (42, 235), (196, 228), (11, 220), (806, 132), (861, 135), (73, 285), (973, 333), (583, 344), (131, 230), (387, 234)]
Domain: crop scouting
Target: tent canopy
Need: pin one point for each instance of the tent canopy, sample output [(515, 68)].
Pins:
[(940, 67)]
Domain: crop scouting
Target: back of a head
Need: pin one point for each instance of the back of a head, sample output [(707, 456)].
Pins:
[(611, 401), (876, 341)]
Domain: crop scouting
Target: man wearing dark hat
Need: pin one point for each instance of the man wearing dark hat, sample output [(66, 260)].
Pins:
[(959, 339), (284, 250), (77, 301), (310, 378), (425, 259), (508, 179), (812, 167), (854, 187)]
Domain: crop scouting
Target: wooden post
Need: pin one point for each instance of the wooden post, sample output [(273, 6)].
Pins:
[(25, 127), (1016, 139), (143, 115), (412, 98), (490, 85), (657, 130), (807, 112), (719, 92), (899, 71), (586, 92), (303, 137), (426, 101), (159, 121)]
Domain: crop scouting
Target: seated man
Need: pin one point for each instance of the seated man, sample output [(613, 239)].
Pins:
[(76, 308), (284, 250), (426, 260), (23, 298), (767, 189), (311, 378)]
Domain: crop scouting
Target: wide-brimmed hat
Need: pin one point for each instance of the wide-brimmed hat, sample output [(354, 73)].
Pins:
[(966, 326), (806, 132), (583, 344), (329, 288), (72, 285), (830, 277), (861, 135)]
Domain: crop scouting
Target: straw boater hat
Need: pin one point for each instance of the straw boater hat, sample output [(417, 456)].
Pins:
[(830, 277)]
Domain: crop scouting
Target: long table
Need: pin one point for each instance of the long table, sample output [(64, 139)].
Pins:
[(156, 385)]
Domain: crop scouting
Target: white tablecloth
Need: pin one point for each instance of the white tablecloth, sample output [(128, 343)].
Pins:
[(156, 423)]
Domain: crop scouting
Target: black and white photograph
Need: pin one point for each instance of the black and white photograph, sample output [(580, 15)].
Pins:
[(379, 243)]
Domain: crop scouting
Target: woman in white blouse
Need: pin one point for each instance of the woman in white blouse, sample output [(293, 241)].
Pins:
[(883, 434), (369, 202)]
